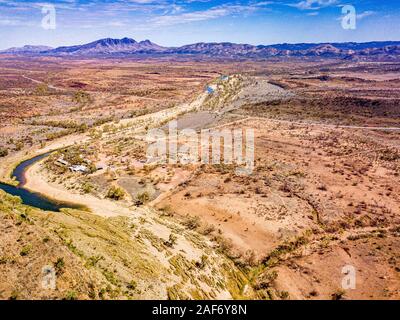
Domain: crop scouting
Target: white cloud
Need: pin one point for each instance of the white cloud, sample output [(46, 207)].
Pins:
[(116, 24), (360, 16), (313, 4), (365, 14), (194, 16), (9, 22)]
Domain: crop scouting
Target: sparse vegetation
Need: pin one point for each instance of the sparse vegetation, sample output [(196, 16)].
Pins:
[(81, 97), (116, 193), (319, 192), (59, 265), (25, 250), (3, 152), (142, 198), (192, 222)]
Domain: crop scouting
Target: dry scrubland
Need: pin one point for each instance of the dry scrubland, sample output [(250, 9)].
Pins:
[(146, 257), (48, 98), (324, 192)]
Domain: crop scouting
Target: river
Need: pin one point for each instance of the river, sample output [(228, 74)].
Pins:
[(31, 198)]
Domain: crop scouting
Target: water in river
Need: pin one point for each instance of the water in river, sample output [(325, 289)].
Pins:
[(30, 198)]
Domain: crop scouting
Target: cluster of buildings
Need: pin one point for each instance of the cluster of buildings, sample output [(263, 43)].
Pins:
[(73, 168)]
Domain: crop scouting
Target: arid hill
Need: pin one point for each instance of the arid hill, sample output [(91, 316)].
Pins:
[(129, 47)]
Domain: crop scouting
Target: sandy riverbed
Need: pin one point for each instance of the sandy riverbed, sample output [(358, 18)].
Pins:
[(37, 182), (8, 164)]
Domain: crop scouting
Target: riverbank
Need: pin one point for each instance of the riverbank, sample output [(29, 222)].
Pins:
[(36, 181), (35, 199), (9, 163)]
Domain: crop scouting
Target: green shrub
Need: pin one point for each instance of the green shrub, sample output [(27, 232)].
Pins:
[(3, 152), (116, 193), (25, 250), (71, 295), (265, 280), (42, 89), (338, 294), (59, 265), (132, 285), (81, 97), (87, 187), (171, 241), (192, 222), (19, 145), (142, 198)]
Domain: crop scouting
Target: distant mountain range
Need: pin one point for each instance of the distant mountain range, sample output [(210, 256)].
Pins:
[(108, 47), (129, 47), (27, 50)]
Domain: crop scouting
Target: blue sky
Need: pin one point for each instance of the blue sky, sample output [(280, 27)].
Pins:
[(178, 22)]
